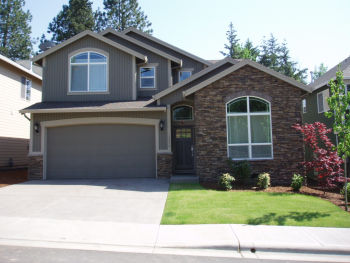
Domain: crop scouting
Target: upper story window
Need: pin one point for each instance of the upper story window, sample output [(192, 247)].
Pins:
[(322, 104), (304, 105), (182, 113), (26, 88), (147, 78), (88, 72), (249, 132), (184, 74)]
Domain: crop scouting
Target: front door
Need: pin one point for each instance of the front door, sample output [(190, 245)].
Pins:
[(183, 149)]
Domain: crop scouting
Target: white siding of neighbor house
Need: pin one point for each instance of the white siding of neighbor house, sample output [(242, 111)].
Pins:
[(14, 127)]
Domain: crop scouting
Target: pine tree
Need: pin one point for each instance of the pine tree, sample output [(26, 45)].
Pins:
[(318, 72), (269, 53), (15, 30), (74, 18), (122, 14), (248, 51), (232, 49)]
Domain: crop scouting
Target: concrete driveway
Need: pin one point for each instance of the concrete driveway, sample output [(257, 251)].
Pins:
[(82, 213), (121, 200)]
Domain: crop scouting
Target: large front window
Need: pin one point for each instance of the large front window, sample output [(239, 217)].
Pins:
[(249, 134), (88, 72)]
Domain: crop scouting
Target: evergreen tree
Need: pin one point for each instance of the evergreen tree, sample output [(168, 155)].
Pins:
[(122, 14), (233, 48), (74, 18), (15, 30), (248, 51), (318, 72), (276, 56)]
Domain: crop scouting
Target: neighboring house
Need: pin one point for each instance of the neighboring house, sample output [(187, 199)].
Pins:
[(314, 105), (130, 105), (20, 87)]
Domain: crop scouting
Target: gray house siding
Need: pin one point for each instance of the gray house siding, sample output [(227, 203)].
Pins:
[(40, 117), (186, 61), (56, 68), (162, 74), (176, 96)]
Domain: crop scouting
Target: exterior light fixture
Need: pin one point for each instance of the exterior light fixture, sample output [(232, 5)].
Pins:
[(37, 127), (161, 125)]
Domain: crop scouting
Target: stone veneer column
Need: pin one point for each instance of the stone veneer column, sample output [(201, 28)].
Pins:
[(35, 171), (164, 165)]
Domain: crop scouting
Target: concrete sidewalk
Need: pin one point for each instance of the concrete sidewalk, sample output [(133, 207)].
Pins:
[(215, 240)]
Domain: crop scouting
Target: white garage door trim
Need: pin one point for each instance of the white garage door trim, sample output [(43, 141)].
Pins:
[(102, 120)]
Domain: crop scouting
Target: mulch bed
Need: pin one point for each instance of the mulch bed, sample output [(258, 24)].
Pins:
[(9, 177), (331, 195)]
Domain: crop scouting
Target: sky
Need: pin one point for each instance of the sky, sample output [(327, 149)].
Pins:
[(315, 30)]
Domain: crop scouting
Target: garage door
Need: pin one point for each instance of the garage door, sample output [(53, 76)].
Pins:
[(100, 151)]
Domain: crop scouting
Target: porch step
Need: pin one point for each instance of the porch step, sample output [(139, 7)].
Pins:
[(184, 179)]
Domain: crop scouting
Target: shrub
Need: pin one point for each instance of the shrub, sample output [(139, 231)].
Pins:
[(226, 181), (342, 191), (241, 170), (263, 180), (297, 182)]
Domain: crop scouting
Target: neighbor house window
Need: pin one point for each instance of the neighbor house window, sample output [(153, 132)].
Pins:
[(322, 104), (304, 105), (26, 88), (184, 75), (182, 113), (249, 134), (147, 78), (88, 72)]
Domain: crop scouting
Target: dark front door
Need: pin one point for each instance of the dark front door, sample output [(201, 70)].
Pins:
[(183, 149)]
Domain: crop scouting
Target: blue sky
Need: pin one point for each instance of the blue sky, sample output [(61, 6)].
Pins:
[(316, 30)]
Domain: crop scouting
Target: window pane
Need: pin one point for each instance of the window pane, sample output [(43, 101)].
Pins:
[(147, 83), (97, 58), (260, 128), (237, 129), (147, 72), (184, 75), (79, 78), (320, 102), (257, 105), (239, 105), (98, 78), (81, 58), (261, 151), (182, 113), (238, 152), (28, 89)]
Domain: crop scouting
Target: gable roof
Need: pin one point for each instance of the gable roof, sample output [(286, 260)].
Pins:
[(141, 44), (39, 57), (163, 43), (194, 77), (331, 74), (20, 67), (239, 65)]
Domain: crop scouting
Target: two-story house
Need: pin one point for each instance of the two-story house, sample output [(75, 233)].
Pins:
[(130, 105), (20, 87)]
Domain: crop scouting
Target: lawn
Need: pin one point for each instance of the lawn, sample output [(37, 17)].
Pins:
[(193, 204)]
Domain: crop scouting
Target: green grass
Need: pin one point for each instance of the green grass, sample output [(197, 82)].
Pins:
[(192, 204)]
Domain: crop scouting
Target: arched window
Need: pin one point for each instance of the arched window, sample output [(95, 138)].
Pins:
[(182, 113), (249, 134), (88, 72)]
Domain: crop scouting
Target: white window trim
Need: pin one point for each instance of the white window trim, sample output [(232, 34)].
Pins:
[(181, 105), (249, 144), (184, 70), (88, 50), (304, 107), (154, 77)]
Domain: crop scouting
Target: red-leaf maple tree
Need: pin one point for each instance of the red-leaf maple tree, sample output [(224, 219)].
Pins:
[(325, 160)]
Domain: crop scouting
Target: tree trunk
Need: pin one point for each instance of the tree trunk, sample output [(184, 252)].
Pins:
[(346, 184)]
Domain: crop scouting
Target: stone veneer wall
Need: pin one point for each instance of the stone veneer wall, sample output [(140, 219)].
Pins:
[(164, 165), (210, 124), (35, 168)]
